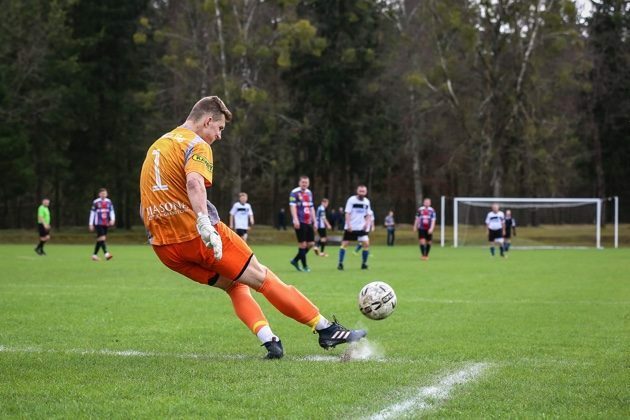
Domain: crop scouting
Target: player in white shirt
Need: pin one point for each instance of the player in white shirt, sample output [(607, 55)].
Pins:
[(495, 221), (241, 216), (358, 224)]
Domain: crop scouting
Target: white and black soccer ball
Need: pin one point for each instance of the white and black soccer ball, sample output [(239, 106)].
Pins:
[(377, 300)]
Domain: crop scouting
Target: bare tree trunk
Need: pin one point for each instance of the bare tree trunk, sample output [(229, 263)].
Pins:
[(235, 140), (415, 153)]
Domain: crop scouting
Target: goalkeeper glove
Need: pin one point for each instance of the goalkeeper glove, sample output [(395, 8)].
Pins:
[(209, 235)]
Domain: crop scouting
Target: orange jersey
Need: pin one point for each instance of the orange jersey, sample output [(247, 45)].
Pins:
[(166, 209)]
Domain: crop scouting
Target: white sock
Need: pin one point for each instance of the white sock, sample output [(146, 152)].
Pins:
[(322, 324), (265, 334)]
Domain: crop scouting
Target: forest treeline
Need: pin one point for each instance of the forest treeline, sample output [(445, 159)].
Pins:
[(412, 98)]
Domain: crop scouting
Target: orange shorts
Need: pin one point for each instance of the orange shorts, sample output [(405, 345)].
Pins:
[(195, 261)]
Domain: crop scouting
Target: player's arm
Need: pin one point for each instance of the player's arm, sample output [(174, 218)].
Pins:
[(231, 221), (92, 218), (432, 227), (294, 216), (112, 215), (313, 219), (326, 223), (251, 217), (196, 190), (503, 226)]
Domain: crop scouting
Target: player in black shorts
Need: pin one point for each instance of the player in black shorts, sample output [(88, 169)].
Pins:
[(495, 222), (302, 214), (510, 229), (321, 221), (424, 223)]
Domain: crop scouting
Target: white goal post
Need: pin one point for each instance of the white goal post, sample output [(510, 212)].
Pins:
[(525, 202)]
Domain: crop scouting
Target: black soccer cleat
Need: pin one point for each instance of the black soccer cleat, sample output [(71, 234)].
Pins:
[(340, 267), (364, 267), (295, 264), (338, 334), (274, 349)]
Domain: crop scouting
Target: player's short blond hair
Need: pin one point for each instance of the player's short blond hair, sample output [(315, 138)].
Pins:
[(242, 194), (212, 105)]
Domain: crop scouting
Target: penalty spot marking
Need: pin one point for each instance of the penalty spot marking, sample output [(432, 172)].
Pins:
[(429, 397)]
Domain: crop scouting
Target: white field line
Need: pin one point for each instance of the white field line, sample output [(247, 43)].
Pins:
[(429, 397), (206, 356), (520, 302)]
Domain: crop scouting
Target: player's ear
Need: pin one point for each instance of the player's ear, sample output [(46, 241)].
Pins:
[(207, 121)]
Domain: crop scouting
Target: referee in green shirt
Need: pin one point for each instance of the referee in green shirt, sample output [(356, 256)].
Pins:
[(43, 224)]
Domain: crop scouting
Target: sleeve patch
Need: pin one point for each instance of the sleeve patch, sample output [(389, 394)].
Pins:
[(204, 160)]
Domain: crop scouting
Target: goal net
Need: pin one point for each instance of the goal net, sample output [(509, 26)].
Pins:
[(540, 222)]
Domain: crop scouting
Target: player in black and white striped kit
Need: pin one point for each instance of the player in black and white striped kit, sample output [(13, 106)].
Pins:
[(495, 221)]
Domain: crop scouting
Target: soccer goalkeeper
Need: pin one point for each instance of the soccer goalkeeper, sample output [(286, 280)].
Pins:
[(187, 236)]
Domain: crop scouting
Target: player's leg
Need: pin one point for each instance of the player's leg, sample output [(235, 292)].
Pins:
[(499, 242), (429, 241), (322, 245), (301, 238), (491, 241), (364, 241), (44, 240), (293, 304), (97, 247), (103, 238), (342, 249), (241, 266), (310, 242), (43, 235), (193, 260)]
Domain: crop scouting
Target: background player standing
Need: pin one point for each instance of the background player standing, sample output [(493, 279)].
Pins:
[(102, 216), (357, 226), (241, 216), (425, 224), (495, 221), (187, 236), (301, 205), (510, 228), (390, 225), (322, 225), (43, 226)]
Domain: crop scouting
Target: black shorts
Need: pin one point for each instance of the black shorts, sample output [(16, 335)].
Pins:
[(241, 232), (424, 234), (353, 235), (322, 232), (42, 230), (101, 230), (508, 233), (494, 234), (305, 233)]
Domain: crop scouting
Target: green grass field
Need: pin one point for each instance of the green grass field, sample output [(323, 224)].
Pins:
[(547, 331)]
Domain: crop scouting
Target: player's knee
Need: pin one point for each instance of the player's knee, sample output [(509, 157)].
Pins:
[(254, 275), (221, 282)]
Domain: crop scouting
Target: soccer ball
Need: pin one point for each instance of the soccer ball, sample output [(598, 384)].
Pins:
[(377, 300)]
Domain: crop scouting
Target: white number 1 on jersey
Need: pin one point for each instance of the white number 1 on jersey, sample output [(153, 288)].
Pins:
[(158, 179)]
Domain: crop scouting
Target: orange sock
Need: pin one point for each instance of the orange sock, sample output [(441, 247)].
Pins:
[(288, 300), (246, 308)]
